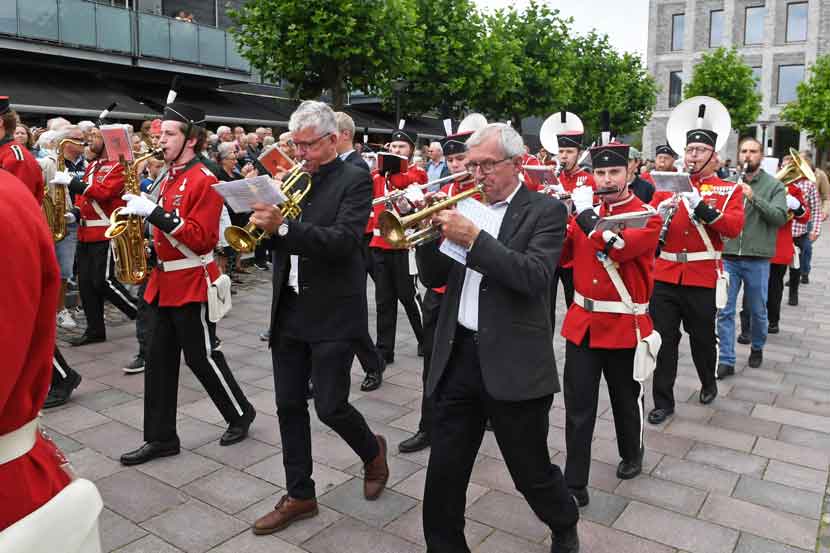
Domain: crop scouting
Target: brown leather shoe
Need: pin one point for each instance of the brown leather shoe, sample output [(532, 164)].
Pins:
[(376, 472), (285, 512)]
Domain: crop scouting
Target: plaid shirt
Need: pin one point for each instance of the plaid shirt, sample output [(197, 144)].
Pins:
[(814, 203)]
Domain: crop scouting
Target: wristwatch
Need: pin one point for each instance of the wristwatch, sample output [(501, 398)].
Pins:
[(282, 230)]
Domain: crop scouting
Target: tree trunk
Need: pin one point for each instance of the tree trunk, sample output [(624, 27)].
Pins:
[(516, 122), (338, 90)]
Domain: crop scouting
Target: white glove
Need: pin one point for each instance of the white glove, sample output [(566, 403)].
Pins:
[(415, 195), (558, 189), (137, 205), (583, 198), (62, 178), (692, 197), (69, 217), (664, 207), (619, 243), (792, 202)]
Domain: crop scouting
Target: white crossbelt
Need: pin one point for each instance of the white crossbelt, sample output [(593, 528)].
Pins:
[(600, 306), (687, 257), (94, 223), (18, 443), (186, 263)]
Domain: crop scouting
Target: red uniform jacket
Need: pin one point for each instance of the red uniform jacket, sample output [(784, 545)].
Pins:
[(568, 181), (104, 185), (635, 263), (188, 194), (27, 340), (784, 249), (415, 175), (682, 236), (20, 162), (646, 176), (532, 179)]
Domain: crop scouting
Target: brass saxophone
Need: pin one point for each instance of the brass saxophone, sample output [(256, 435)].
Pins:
[(126, 232), (54, 205)]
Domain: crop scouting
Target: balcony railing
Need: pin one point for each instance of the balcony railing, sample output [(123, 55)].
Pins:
[(83, 24)]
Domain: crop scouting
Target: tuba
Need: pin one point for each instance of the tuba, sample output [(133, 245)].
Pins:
[(126, 232), (796, 171), (245, 239)]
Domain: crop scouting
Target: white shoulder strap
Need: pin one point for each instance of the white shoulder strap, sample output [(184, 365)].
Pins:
[(700, 230), (617, 280)]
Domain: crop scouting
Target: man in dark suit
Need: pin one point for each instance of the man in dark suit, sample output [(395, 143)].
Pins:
[(493, 353), (318, 312)]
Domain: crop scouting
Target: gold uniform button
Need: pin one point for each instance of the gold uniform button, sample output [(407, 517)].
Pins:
[(596, 281)]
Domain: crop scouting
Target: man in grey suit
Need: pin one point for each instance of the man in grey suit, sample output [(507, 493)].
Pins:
[(493, 353)]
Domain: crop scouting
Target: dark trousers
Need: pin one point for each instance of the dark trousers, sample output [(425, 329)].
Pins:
[(96, 282), (583, 368), (775, 293), (431, 308), (365, 350), (803, 243), (462, 405), (694, 307), (187, 329), (143, 322), (61, 371), (328, 365), (393, 283), (566, 276)]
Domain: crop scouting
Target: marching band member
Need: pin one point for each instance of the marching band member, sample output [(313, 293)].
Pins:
[(185, 233), (664, 159), (14, 158), (689, 265), (97, 195), (493, 354), (600, 328), (531, 181)]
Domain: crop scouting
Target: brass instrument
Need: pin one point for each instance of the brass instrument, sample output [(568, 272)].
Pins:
[(54, 205), (401, 192), (795, 171), (126, 232), (395, 229), (245, 239)]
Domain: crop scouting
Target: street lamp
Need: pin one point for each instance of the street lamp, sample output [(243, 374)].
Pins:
[(398, 85)]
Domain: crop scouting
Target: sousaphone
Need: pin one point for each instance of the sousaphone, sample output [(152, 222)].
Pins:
[(561, 122), (699, 112)]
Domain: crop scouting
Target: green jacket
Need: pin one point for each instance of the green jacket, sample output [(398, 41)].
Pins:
[(763, 215)]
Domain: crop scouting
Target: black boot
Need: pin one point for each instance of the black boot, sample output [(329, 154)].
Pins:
[(60, 393), (565, 541), (238, 431), (419, 441), (628, 469), (580, 495)]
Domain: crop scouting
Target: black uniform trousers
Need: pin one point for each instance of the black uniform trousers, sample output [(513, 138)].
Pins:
[(328, 365), (97, 282), (462, 405), (431, 309), (694, 306), (583, 368), (61, 371), (144, 319), (775, 293), (393, 283), (365, 350), (187, 329), (566, 276)]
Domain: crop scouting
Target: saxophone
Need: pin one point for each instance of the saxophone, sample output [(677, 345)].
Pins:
[(54, 205), (126, 232)]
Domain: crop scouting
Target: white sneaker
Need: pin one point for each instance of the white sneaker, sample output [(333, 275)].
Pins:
[(65, 319)]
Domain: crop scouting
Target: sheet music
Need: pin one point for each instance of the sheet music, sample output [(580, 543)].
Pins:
[(484, 218), (242, 194)]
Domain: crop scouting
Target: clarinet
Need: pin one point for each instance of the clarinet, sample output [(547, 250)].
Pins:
[(664, 231)]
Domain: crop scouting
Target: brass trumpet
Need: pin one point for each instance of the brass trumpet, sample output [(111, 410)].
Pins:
[(245, 239), (795, 171), (399, 193)]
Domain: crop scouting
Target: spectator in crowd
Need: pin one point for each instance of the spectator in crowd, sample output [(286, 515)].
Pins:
[(268, 141), (420, 162), (641, 188), (286, 144), (823, 185), (436, 167), (86, 127), (23, 136), (224, 133), (186, 16), (254, 146), (358, 147), (57, 123), (153, 168), (261, 133), (238, 132), (242, 150), (814, 226), (229, 171)]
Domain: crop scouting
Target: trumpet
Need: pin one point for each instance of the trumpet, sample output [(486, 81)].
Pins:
[(401, 192), (397, 230), (245, 239)]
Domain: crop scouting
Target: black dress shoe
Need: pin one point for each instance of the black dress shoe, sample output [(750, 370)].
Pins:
[(756, 357), (372, 381), (793, 300), (805, 278), (773, 329), (658, 416), (580, 495), (627, 470), (415, 443), (744, 338), (238, 431), (565, 541), (708, 396), (60, 393), (725, 370), (86, 339), (150, 451)]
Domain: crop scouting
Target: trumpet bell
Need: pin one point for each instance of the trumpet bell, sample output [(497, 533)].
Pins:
[(118, 224), (797, 170), (243, 239), (392, 228)]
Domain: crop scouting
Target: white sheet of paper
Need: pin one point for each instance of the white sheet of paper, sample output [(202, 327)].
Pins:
[(479, 214), (242, 194)]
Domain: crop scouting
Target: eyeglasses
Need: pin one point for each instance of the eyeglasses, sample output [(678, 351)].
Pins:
[(487, 166), (309, 145), (697, 150)]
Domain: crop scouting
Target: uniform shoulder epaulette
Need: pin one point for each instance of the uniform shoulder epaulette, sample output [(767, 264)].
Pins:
[(206, 171), (17, 150)]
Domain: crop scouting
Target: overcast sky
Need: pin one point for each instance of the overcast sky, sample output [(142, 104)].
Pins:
[(624, 21)]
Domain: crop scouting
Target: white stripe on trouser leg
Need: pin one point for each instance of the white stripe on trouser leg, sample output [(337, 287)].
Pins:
[(209, 349), (58, 367), (417, 298), (640, 408), (112, 286), (717, 342)]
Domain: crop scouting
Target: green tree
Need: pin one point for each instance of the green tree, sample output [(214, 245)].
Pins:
[(723, 75), (810, 112), (335, 45)]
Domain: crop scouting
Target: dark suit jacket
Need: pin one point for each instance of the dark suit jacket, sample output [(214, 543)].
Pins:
[(357, 159), (514, 327), (328, 240)]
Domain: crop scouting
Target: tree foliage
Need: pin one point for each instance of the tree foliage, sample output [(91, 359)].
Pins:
[(722, 74), (810, 112)]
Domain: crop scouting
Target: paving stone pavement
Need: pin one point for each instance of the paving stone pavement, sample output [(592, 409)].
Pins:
[(746, 474)]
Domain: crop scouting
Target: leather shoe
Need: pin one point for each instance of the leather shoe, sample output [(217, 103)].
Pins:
[(744, 339), (805, 278), (150, 451), (85, 339), (415, 443), (658, 416), (627, 470), (376, 472), (565, 541), (725, 370), (580, 495), (773, 329), (60, 393), (238, 431), (372, 381), (707, 396), (285, 512), (756, 357)]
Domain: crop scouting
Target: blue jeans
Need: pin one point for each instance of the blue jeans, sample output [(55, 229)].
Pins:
[(806, 246), (65, 251), (753, 274)]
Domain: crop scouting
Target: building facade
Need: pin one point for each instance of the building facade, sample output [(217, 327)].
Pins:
[(779, 39)]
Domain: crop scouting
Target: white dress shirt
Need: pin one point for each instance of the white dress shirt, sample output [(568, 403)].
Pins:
[(468, 306)]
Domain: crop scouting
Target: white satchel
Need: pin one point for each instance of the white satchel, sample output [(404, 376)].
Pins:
[(218, 291)]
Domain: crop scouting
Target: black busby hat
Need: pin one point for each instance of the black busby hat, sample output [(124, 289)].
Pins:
[(184, 113), (570, 140), (609, 155), (703, 136), (456, 143), (665, 149), (404, 135), (4, 105)]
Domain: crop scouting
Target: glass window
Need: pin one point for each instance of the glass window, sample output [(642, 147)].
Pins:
[(754, 25), (788, 78), (716, 28), (797, 22), (678, 21), (756, 74), (675, 88)]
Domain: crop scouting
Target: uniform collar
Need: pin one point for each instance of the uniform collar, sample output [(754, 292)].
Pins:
[(176, 170), (622, 202), (5, 140)]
